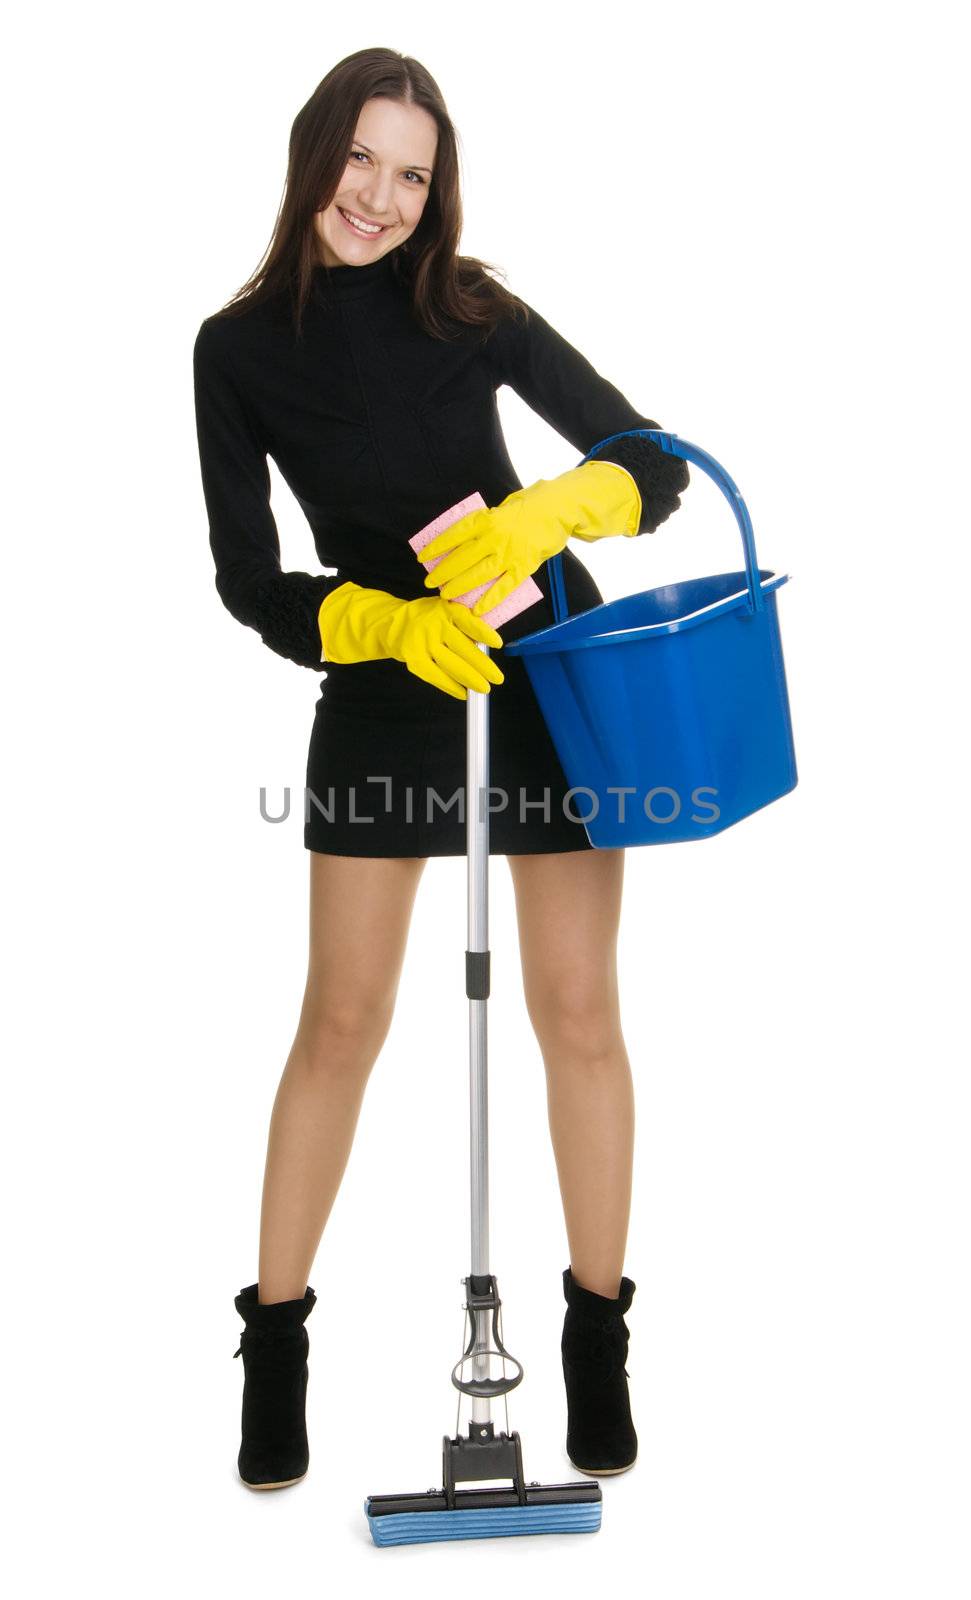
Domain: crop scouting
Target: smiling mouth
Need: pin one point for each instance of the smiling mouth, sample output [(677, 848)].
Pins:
[(369, 231)]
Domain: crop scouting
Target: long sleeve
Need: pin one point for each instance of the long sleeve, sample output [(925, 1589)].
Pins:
[(243, 535), (562, 387)]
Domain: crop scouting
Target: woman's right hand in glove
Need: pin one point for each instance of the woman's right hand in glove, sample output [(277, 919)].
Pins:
[(433, 637)]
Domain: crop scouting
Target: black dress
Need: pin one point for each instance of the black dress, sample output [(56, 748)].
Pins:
[(377, 427)]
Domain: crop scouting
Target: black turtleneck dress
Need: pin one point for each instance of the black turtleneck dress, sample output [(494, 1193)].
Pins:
[(377, 427)]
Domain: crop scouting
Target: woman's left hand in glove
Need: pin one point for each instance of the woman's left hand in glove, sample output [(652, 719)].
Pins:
[(509, 541)]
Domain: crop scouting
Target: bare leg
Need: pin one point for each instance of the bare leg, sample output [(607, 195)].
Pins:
[(568, 909), (360, 913)]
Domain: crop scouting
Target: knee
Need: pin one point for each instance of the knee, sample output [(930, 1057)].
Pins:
[(343, 1032), (578, 1017)]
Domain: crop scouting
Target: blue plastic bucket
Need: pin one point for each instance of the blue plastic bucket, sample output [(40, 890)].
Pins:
[(668, 709)]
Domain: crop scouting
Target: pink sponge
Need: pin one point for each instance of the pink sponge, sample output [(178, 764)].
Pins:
[(525, 595)]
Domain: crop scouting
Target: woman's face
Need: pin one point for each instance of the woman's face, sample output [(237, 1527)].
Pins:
[(386, 181)]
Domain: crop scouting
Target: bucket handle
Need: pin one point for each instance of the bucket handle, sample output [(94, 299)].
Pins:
[(673, 446)]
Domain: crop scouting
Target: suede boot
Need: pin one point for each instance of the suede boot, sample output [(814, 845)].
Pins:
[(274, 1346), (600, 1433)]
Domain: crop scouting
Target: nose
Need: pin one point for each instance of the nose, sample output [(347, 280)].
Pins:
[(376, 195)]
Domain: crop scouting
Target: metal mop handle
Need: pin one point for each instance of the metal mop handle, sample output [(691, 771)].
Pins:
[(477, 990)]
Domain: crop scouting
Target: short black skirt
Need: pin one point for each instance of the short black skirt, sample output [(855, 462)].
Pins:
[(386, 768)]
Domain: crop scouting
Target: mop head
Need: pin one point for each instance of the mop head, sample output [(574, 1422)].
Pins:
[(487, 1511), (555, 1508)]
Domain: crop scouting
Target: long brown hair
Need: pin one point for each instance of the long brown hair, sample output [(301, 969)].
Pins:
[(445, 287)]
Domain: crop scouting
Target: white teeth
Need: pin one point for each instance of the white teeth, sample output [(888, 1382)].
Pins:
[(362, 227)]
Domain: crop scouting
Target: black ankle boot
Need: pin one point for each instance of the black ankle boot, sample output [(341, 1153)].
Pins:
[(600, 1434), (274, 1347)]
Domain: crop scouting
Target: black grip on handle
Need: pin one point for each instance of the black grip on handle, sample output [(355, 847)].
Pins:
[(477, 974)]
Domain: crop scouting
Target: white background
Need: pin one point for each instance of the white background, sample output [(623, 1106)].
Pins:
[(748, 217)]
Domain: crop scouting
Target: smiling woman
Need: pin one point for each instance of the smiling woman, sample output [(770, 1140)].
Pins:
[(364, 356), (376, 139), (383, 192)]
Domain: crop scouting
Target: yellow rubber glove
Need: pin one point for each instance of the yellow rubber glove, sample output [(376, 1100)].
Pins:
[(432, 636), (509, 541)]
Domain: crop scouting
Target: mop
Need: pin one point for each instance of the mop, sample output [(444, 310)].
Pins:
[(481, 1456)]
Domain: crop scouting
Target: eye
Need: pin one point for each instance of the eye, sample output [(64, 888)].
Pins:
[(411, 172)]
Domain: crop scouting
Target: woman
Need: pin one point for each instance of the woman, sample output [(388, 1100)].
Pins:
[(364, 357)]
